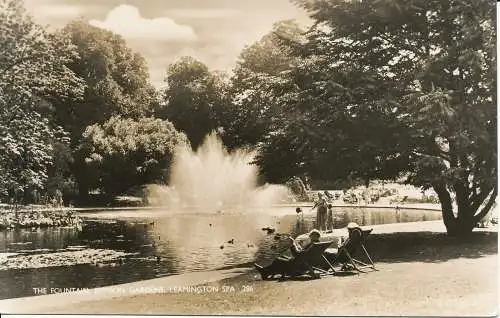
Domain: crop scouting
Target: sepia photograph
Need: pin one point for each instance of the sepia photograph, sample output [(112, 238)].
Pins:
[(249, 157)]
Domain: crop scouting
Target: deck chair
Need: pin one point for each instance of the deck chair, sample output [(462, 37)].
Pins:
[(315, 257), (299, 264), (345, 254)]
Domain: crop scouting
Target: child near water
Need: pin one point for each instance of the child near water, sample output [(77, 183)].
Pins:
[(300, 219)]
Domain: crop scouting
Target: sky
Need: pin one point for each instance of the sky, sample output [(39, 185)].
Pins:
[(213, 31)]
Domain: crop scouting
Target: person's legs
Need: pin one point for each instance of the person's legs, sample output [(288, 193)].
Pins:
[(323, 212), (300, 260), (329, 220), (321, 220), (318, 218), (279, 266)]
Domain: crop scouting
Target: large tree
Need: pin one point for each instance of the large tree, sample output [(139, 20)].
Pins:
[(33, 73), (253, 108), (117, 79), (122, 152), (399, 88), (117, 83), (194, 99)]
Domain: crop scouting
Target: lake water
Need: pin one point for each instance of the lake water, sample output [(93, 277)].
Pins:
[(127, 246)]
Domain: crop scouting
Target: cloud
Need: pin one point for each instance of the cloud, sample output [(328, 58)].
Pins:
[(128, 22), (206, 13)]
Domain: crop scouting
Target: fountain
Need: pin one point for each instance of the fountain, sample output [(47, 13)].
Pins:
[(212, 179)]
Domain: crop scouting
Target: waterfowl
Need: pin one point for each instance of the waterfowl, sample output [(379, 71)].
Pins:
[(268, 230)]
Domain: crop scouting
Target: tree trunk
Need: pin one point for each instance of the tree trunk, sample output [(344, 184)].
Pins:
[(460, 225), (465, 213)]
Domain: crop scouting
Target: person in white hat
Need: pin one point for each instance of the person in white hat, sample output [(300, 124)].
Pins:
[(298, 249), (353, 229), (352, 225)]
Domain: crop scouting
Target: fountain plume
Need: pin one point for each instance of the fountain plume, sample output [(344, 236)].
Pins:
[(212, 178)]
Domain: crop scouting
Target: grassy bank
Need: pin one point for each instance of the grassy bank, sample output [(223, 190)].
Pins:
[(26, 218)]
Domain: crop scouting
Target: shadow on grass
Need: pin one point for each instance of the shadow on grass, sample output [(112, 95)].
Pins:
[(429, 246), (294, 278), (409, 247), (345, 273), (307, 277)]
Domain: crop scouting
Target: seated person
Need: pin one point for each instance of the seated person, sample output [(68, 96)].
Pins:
[(288, 265), (355, 235)]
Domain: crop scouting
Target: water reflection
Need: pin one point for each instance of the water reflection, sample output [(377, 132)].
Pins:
[(169, 245)]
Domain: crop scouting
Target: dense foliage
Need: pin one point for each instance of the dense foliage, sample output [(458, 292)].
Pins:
[(123, 152), (253, 109), (32, 72), (194, 99), (117, 83), (392, 88)]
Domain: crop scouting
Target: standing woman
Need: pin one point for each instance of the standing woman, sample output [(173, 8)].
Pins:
[(322, 207), (329, 218)]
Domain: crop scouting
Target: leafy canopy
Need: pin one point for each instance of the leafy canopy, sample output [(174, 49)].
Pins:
[(32, 72), (391, 88), (195, 99), (123, 152)]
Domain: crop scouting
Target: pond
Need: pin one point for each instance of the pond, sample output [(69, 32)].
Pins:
[(126, 246)]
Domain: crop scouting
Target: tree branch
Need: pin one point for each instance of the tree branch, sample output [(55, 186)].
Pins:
[(478, 217), (446, 204), (479, 198)]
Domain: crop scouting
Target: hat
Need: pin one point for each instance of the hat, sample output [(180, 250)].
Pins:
[(314, 232), (298, 210), (352, 225)]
